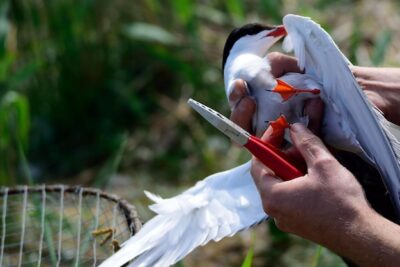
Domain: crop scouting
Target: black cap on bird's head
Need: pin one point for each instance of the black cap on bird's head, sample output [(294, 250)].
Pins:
[(252, 29)]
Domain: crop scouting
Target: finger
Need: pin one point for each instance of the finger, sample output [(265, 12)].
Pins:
[(374, 85), (296, 159), (281, 64), (263, 177), (377, 86), (360, 72), (373, 90), (314, 109), (376, 99), (242, 113), (273, 136), (239, 90), (368, 73), (308, 144)]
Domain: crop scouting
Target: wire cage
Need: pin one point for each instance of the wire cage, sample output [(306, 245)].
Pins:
[(62, 225)]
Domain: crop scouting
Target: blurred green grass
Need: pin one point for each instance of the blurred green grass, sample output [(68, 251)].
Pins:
[(90, 88)]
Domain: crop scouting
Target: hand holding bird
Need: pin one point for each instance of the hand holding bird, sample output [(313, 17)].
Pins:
[(327, 206), (227, 202), (242, 103), (382, 87)]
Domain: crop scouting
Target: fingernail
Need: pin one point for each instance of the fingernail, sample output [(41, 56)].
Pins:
[(269, 129), (297, 127), (246, 104)]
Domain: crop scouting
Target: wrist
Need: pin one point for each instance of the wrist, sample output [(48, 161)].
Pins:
[(347, 228), (369, 240)]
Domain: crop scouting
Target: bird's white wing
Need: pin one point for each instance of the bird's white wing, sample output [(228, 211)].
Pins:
[(219, 206), (319, 56)]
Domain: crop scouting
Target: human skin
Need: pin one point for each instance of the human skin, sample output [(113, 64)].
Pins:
[(327, 205), (381, 86), (242, 104)]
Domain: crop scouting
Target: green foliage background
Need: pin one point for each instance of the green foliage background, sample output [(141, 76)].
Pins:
[(91, 88)]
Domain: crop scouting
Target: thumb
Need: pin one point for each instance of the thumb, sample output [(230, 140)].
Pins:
[(242, 105), (308, 144)]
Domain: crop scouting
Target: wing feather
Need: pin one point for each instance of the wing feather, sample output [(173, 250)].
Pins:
[(341, 91), (219, 206)]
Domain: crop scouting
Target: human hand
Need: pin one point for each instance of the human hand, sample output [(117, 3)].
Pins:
[(313, 206), (242, 105), (327, 205), (382, 87)]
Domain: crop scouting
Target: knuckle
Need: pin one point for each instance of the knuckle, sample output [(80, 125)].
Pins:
[(240, 86), (309, 142), (239, 90), (273, 56), (313, 148), (323, 162), (360, 81)]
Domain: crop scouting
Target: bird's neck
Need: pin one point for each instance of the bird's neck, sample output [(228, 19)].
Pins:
[(239, 65)]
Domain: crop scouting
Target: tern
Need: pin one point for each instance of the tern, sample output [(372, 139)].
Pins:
[(228, 202)]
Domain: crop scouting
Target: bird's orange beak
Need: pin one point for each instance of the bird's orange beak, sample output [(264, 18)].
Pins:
[(279, 31)]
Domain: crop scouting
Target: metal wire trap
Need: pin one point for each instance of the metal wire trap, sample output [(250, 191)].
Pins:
[(62, 225)]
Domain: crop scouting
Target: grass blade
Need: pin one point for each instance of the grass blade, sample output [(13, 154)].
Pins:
[(381, 44), (150, 33), (317, 256), (248, 261), (112, 164)]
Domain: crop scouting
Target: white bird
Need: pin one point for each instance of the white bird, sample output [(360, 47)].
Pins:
[(227, 202), (244, 59), (351, 122)]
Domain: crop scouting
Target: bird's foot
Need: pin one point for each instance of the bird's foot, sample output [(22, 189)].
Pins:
[(287, 91)]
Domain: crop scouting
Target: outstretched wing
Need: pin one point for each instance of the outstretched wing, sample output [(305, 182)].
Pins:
[(320, 57), (219, 206)]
